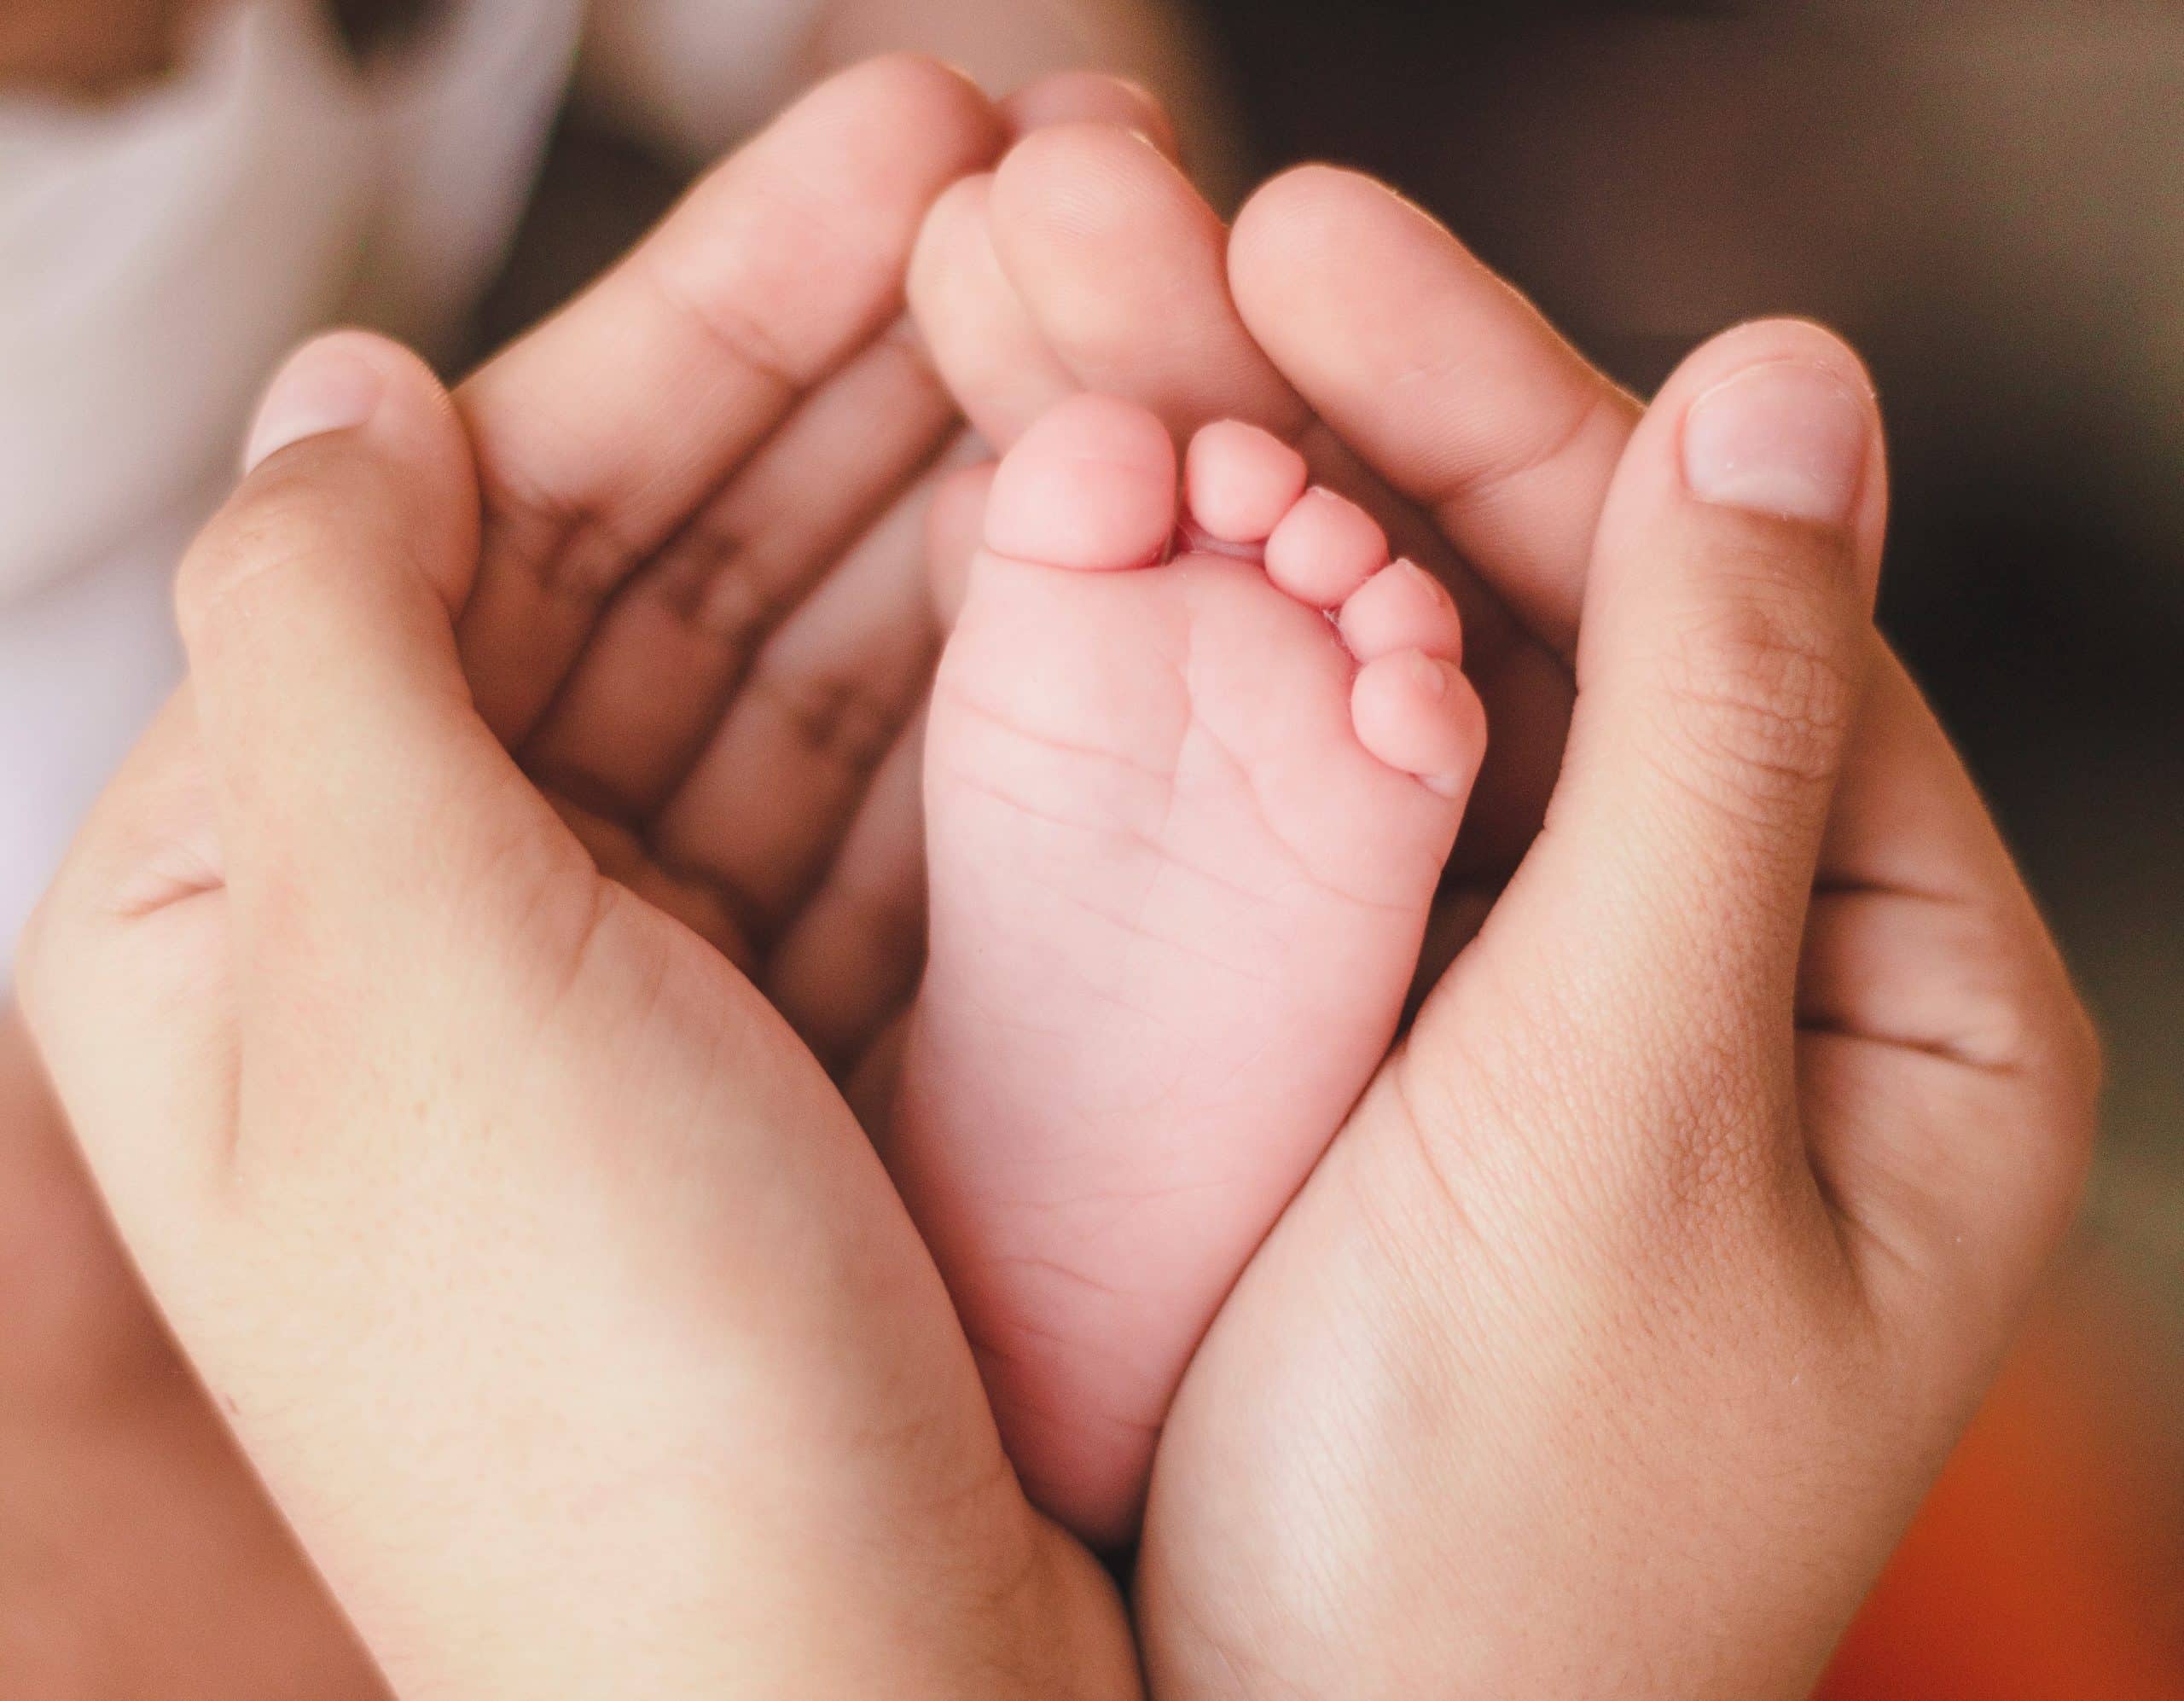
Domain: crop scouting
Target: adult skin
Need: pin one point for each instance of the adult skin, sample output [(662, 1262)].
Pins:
[(1612, 1344), (138, 1556), (506, 1219)]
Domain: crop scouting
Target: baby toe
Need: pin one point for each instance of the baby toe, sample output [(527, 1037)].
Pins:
[(1419, 714), (1238, 481), (1402, 607), (1324, 549), (1091, 486)]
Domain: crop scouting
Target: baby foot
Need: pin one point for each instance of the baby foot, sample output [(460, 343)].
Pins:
[(1185, 818)]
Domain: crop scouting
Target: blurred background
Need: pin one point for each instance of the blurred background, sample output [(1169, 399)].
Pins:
[(1987, 196)]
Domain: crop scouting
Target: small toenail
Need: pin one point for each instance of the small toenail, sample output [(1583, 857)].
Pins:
[(1432, 678), (1435, 589)]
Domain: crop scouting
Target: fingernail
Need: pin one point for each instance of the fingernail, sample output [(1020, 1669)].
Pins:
[(1781, 438), (326, 386)]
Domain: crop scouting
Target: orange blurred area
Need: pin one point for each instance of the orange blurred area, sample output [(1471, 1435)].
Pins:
[(2046, 1565)]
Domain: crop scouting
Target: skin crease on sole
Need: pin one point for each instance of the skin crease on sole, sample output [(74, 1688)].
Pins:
[(1190, 779)]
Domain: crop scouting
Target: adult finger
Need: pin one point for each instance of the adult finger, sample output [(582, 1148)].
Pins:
[(1727, 636), (1925, 957), (599, 434), (318, 609), (1443, 378), (670, 651), (1091, 97), (851, 961), (764, 808), (981, 339), (697, 611), (1119, 262)]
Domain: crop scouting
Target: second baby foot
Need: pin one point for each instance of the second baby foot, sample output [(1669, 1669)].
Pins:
[(1188, 791)]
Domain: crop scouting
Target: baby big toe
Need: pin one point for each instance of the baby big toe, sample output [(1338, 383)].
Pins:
[(1091, 486)]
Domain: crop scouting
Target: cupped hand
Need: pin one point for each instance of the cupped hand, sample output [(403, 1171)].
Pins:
[(1619, 1332), (544, 1272), (703, 619)]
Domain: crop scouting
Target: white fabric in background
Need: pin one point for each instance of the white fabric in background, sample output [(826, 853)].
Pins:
[(158, 255), (695, 76)]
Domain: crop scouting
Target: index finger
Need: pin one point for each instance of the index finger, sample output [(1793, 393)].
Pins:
[(1447, 383), (599, 431), (1458, 393)]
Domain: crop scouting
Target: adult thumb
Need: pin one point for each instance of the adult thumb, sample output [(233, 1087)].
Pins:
[(348, 768), (1726, 637)]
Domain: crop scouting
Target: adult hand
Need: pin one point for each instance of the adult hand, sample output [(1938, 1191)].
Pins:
[(138, 1555), (703, 618), (546, 1277), (1617, 1335)]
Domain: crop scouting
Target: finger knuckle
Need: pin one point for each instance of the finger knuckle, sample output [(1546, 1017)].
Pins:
[(1760, 689), (279, 528), (2084, 1052), (718, 317), (556, 523), (1981, 977), (2018, 1017), (2019, 1012), (839, 718), (723, 585), (919, 80)]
